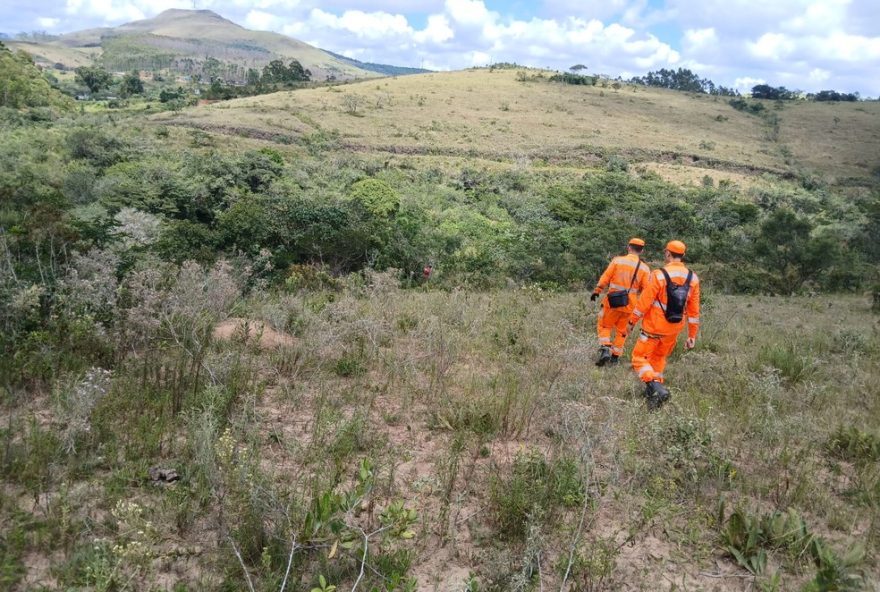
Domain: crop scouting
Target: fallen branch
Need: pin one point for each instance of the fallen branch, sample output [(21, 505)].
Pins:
[(247, 574)]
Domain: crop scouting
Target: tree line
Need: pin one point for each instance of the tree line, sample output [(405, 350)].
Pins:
[(685, 80)]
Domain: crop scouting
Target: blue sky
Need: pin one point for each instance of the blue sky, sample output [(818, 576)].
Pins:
[(802, 44)]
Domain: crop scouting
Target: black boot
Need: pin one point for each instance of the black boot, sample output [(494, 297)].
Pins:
[(604, 356), (656, 394), (614, 361)]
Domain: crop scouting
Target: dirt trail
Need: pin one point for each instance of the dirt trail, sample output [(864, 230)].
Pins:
[(250, 330)]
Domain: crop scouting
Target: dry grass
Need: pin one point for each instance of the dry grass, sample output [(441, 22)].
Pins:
[(492, 115), (51, 53), (842, 139), (452, 391)]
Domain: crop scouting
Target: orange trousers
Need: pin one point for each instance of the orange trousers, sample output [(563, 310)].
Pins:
[(610, 319), (650, 353)]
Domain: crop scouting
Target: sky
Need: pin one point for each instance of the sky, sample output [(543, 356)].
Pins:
[(807, 45)]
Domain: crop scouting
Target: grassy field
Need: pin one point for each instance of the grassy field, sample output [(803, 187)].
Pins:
[(525, 466), (49, 53), (496, 116)]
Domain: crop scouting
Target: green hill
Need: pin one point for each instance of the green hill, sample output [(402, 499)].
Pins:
[(384, 69), (22, 85)]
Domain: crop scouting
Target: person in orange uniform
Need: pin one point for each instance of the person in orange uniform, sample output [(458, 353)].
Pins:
[(671, 300), (625, 277)]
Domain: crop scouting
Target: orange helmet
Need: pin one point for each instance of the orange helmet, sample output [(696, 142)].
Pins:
[(636, 242), (676, 247)]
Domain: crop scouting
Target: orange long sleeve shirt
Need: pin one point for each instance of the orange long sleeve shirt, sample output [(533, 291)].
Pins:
[(652, 303), (619, 276)]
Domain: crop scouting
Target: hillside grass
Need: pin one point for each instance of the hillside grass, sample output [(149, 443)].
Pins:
[(51, 53), (492, 114), (484, 414)]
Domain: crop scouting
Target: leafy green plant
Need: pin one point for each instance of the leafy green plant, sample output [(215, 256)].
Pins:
[(349, 365), (742, 536), (592, 567), (788, 359), (323, 586), (852, 444), (833, 571), (534, 485)]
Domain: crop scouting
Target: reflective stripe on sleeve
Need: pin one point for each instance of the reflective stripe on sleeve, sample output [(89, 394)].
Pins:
[(617, 287), (694, 320), (659, 305), (638, 313)]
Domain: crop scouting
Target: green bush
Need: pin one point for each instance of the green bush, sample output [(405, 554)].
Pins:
[(533, 486), (788, 359), (376, 196)]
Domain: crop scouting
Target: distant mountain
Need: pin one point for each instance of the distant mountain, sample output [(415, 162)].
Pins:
[(189, 42), (384, 69)]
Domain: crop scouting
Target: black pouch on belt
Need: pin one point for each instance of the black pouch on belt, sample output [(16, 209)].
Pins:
[(618, 299), (621, 297)]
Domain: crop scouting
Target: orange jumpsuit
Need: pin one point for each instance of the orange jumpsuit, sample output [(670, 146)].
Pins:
[(619, 276), (658, 336)]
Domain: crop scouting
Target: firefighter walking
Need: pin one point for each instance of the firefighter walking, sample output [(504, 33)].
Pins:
[(625, 277), (670, 300)]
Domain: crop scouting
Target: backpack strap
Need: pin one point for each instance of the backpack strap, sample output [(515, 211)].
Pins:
[(687, 282), (635, 275)]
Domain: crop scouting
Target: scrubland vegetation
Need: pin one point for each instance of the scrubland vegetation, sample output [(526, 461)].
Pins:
[(222, 368)]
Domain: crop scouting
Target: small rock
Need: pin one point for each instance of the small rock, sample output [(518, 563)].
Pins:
[(163, 475)]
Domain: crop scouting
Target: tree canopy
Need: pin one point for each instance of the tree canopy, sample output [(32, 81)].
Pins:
[(93, 77)]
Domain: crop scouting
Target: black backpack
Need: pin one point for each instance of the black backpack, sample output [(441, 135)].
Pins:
[(676, 297)]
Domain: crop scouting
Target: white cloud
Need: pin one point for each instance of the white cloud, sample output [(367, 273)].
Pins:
[(746, 83), (819, 16), (436, 31), (771, 46), (700, 38), (479, 58), (47, 22), (469, 12), (259, 20), (818, 75), (369, 25)]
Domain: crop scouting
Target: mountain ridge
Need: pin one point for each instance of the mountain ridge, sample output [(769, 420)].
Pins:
[(182, 40)]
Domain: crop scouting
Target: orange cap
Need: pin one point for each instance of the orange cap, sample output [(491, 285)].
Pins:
[(676, 247), (637, 242)]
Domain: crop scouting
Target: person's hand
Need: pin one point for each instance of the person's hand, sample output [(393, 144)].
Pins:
[(690, 343), (593, 297), (629, 327)]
